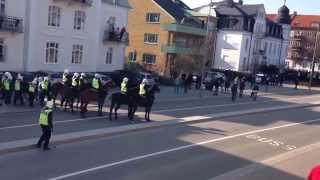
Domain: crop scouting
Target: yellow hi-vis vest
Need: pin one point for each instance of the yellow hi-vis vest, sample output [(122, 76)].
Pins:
[(44, 117), (95, 83), (123, 88), (44, 85), (17, 85), (32, 89), (6, 84), (142, 91), (74, 82)]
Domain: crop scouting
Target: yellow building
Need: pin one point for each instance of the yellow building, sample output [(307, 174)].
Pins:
[(162, 31)]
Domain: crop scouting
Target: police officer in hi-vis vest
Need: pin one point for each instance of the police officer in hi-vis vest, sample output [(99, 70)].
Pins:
[(18, 90), (96, 82), (6, 82), (32, 91), (124, 86), (44, 90), (45, 122)]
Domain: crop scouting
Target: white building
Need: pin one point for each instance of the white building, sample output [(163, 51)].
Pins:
[(245, 37), (53, 35)]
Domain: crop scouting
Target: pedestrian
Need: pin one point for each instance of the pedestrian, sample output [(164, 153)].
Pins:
[(45, 122), (314, 173), (18, 90), (254, 93), (234, 92), (296, 82), (267, 81), (226, 86), (31, 92), (216, 84), (242, 87), (177, 85)]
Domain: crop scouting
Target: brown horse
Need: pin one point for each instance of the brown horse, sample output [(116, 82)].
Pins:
[(57, 89), (90, 95)]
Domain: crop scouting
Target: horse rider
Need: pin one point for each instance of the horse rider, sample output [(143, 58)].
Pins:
[(7, 87), (65, 76), (32, 91), (44, 90), (45, 122), (96, 82), (143, 90), (18, 90), (75, 80), (124, 86)]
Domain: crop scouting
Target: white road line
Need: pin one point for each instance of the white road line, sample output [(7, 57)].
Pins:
[(56, 122), (177, 149), (159, 111)]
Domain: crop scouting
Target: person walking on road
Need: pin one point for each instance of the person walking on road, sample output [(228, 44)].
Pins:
[(45, 122), (254, 93), (18, 90), (296, 82), (234, 91), (242, 87)]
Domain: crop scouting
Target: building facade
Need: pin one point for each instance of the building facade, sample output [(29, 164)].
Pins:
[(246, 39), (161, 33), (302, 47), (79, 35)]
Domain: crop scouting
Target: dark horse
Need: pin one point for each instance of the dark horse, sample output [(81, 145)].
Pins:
[(66, 93), (133, 100), (146, 102), (88, 95)]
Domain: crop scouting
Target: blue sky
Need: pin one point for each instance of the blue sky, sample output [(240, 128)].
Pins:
[(301, 6)]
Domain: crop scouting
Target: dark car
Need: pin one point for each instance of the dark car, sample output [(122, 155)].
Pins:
[(134, 78)]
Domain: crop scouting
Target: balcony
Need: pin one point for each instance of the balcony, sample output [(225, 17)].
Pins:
[(84, 2), (185, 29), (177, 48), (116, 36), (11, 24)]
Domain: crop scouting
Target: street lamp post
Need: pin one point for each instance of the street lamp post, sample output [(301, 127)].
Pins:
[(314, 58), (205, 56)]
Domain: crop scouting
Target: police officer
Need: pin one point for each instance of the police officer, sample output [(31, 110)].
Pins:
[(65, 76), (17, 90), (96, 82), (75, 80), (143, 88), (45, 122), (44, 90), (31, 91), (7, 87), (124, 86)]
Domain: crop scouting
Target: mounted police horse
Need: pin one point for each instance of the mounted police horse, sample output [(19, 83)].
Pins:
[(88, 95)]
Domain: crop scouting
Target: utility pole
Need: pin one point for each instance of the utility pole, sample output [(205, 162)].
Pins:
[(205, 56), (314, 58)]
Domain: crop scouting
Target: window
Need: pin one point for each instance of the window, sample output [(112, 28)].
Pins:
[(52, 52), (109, 56), (2, 7), (77, 54), (151, 38), (79, 20), (149, 59), (2, 50), (54, 16), (133, 56), (153, 17)]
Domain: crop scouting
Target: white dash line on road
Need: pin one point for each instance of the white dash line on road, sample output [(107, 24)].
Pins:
[(177, 149)]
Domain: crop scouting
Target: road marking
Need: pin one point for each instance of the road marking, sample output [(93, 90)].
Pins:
[(271, 142), (56, 122), (256, 166), (159, 111), (178, 149)]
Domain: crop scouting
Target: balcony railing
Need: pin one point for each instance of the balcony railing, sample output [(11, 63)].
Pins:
[(115, 36), (185, 29), (84, 2), (11, 24), (178, 48)]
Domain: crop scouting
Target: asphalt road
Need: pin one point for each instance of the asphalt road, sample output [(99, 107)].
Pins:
[(19, 126), (199, 151)]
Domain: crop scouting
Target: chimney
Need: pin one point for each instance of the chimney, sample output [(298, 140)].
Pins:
[(295, 13)]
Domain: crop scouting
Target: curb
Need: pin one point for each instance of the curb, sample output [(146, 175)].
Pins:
[(29, 144)]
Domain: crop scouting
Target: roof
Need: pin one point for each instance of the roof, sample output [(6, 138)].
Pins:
[(176, 8), (299, 21), (238, 10)]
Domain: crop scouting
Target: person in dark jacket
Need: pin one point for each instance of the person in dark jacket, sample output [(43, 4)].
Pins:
[(45, 122), (216, 84), (242, 87), (234, 91)]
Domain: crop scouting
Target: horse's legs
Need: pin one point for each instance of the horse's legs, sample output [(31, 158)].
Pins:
[(116, 111), (71, 106), (100, 105)]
